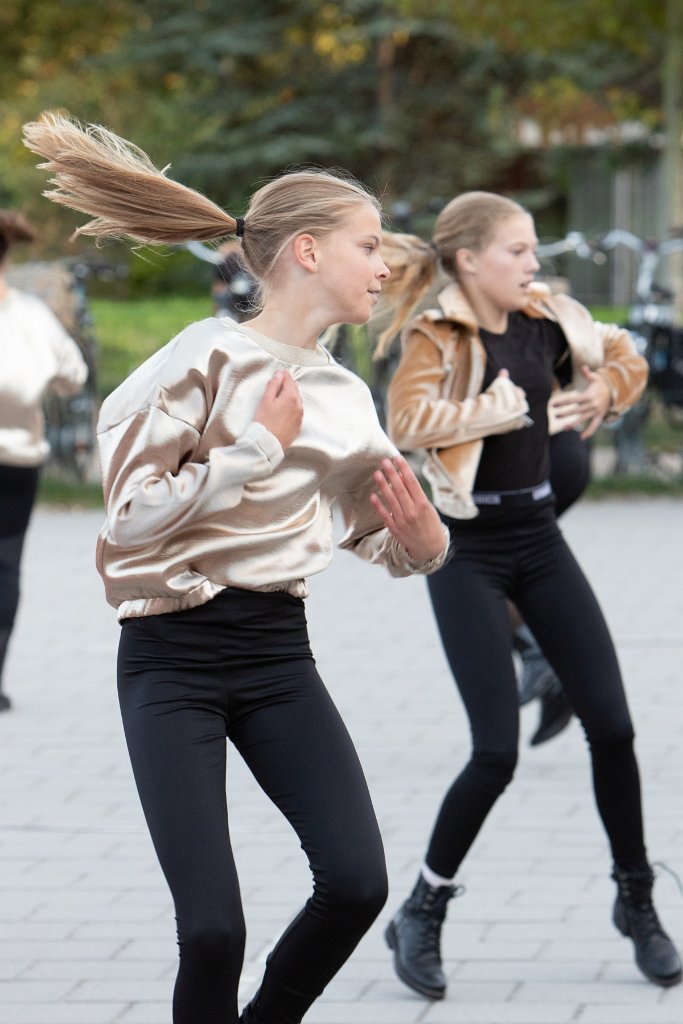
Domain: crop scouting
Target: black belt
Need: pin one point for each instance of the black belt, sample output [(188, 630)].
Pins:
[(526, 496)]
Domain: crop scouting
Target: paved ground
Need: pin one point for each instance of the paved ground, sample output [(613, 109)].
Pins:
[(86, 927)]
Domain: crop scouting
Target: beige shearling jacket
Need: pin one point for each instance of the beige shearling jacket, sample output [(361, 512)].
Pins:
[(435, 401)]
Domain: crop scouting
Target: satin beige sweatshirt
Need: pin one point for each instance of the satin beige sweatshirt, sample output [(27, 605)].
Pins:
[(199, 497)]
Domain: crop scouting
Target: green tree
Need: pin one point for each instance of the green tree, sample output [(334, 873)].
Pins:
[(419, 98), (397, 96), (51, 56), (615, 60)]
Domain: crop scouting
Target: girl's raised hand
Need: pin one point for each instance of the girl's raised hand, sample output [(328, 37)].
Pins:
[(281, 409), (589, 406), (406, 511), (519, 392)]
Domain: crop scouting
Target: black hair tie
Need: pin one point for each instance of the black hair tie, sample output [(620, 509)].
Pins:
[(239, 226)]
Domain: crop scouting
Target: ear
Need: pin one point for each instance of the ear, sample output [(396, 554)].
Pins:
[(306, 253), (465, 261)]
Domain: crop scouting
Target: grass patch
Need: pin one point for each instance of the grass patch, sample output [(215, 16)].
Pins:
[(129, 331), (55, 490), (634, 486), (610, 314)]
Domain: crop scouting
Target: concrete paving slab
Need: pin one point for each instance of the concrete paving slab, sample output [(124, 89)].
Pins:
[(86, 923)]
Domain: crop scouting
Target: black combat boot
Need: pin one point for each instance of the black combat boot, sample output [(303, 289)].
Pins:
[(635, 916), (536, 675), (556, 714), (414, 935)]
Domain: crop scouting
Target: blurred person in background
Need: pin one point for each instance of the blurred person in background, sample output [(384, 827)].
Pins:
[(36, 355), (484, 379), (233, 290)]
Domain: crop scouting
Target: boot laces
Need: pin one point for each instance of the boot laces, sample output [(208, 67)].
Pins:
[(648, 923), (431, 914), (435, 902), (432, 937), (636, 893)]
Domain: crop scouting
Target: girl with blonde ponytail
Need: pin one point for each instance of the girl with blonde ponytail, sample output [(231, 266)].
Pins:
[(485, 377), (221, 458)]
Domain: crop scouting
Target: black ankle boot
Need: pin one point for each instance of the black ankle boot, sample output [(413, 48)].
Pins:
[(556, 714), (414, 935), (536, 675), (635, 916)]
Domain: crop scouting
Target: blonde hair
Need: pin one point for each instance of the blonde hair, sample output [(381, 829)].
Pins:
[(467, 222), (14, 228), (115, 182)]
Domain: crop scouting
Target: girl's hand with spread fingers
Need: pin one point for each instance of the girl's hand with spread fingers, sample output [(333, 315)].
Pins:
[(589, 406), (406, 511)]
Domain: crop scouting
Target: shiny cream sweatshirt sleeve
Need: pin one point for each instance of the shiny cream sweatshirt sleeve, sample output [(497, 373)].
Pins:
[(152, 485)]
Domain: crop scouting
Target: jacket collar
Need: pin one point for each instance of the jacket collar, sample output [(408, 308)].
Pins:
[(454, 306)]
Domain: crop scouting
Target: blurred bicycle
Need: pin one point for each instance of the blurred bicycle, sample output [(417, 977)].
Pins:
[(650, 320), (651, 316)]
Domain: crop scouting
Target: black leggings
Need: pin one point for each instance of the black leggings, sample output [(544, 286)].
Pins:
[(520, 554), (240, 666), (18, 486)]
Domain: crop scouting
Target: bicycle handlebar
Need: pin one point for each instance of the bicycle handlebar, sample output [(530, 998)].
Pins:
[(649, 253), (205, 253)]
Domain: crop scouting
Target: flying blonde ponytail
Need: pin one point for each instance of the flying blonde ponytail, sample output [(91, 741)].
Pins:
[(414, 268), (113, 181)]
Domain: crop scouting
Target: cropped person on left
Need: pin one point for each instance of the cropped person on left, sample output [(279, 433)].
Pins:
[(36, 355), (222, 458)]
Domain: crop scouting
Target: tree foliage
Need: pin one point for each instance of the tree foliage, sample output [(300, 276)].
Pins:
[(54, 56), (419, 99)]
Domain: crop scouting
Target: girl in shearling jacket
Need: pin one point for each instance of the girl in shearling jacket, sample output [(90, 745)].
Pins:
[(222, 457), (482, 381)]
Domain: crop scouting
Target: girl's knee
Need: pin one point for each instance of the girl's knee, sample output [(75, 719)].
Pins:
[(365, 890), (359, 891), (495, 769), (374, 893), (211, 943), (367, 899), (612, 742)]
